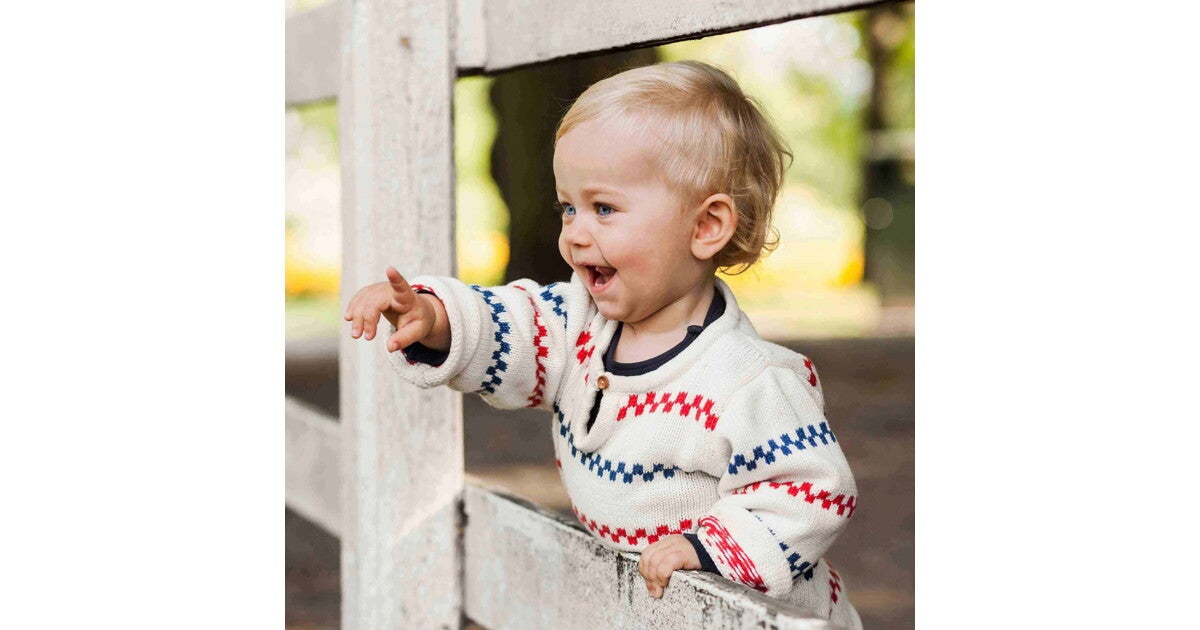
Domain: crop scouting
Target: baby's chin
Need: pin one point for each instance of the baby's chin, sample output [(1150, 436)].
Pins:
[(610, 310), (605, 309)]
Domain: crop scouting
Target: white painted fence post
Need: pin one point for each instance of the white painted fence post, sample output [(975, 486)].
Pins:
[(402, 447)]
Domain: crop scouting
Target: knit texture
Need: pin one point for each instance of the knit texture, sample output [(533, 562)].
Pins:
[(727, 440)]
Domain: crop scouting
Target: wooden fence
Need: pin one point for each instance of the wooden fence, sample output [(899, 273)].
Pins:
[(420, 547)]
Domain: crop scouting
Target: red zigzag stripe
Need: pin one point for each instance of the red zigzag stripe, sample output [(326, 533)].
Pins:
[(731, 554), (604, 531), (535, 398), (835, 585), (812, 375), (702, 405), (844, 503), (584, 353)]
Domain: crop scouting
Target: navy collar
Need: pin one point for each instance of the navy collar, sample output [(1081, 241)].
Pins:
[(715, 310)]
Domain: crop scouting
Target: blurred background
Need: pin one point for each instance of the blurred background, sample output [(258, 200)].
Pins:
[(839, 288)]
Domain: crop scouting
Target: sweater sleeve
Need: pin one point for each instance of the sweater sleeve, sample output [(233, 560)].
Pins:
[(507, 343), (787, 491)]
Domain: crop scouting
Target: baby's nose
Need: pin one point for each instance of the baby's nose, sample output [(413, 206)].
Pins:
[(576, 233)]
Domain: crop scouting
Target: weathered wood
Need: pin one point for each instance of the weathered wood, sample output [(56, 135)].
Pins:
[(525, 32), (313, 478), (487, 38), (312, 53), (471, 36), (402, 447), (527, 568)]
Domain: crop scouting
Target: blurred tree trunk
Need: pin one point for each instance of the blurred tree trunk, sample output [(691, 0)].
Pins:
[(528, 105), (888, 164)]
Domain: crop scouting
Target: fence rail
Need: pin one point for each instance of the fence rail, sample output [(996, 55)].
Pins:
[(312, 55), (497, 35), (529, 568), (313, 481)]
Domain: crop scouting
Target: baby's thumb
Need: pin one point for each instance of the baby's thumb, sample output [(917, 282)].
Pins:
[(398, 340), (406, 335)]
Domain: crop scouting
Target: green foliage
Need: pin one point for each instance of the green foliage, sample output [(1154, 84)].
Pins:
[(899, 110), (827, 144), (322, 115)]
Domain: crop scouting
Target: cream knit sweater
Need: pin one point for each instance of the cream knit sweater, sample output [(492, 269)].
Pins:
[(727, 440)]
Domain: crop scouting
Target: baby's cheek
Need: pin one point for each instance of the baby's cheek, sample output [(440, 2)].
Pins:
[(563, 250), (636, 263)]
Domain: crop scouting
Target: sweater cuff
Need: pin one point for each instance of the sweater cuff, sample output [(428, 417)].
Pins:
[(706, 561), (422, 369), (422, 353)]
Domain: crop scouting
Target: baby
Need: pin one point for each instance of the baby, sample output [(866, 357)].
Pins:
[(679, 432)]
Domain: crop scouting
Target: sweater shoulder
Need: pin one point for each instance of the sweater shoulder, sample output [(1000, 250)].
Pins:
[(754, 355), (768, 369)]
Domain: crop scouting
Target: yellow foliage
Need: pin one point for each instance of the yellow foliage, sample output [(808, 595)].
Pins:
[(307, 280), (483, 258), (852, 268), (304, 277)]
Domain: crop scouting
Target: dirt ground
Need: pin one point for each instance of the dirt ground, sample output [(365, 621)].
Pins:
[(869, 402)]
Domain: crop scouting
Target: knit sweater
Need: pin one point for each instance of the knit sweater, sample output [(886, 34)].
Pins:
[(726, 440)]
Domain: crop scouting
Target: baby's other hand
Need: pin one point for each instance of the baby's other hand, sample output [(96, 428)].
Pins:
[(662, 558), (412, 317)]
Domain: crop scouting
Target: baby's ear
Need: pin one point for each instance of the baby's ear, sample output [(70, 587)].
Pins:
[(716, 219)]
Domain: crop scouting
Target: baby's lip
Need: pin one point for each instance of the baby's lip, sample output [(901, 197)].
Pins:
[(591, 268), (593, 272)]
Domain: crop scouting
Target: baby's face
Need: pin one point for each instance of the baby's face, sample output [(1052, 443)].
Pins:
[(623, 230)]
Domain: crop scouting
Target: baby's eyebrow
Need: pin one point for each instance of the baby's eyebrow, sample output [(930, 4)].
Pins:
[(592, 191)]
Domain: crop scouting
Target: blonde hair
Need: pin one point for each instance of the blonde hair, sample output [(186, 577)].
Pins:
[(715, 139)]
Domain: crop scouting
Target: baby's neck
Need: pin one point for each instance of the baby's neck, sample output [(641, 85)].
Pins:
[(666, 327)]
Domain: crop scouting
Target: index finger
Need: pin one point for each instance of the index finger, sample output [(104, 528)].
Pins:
[(399, 284)]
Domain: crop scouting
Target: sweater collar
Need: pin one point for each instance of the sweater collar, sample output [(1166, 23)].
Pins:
[(715, 308), (622, 386)]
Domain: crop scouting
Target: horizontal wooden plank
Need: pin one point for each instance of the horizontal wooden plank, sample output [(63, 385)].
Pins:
[(312, 349), (471, 35), (312, 53), (527, 568), (500, 35), (313, 479), (526, 32), (313, 49)]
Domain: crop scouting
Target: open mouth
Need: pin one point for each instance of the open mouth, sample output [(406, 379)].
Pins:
[(599, 277)]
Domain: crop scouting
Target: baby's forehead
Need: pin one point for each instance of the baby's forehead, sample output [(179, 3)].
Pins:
[(602, 151)]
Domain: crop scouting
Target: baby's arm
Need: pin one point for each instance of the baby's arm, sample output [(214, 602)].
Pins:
[(507, 343), (787, 492), (416, 317)]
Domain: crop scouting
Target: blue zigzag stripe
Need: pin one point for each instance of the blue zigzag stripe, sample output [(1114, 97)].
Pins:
[(502, 330), (799, 570), (550, 296), (612, 469), (788, 443)]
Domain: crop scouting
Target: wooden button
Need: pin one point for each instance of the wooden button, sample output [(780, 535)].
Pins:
[(602, 382)]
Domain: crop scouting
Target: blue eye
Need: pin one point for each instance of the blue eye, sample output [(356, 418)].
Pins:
[(566, 208), (600, 210)]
